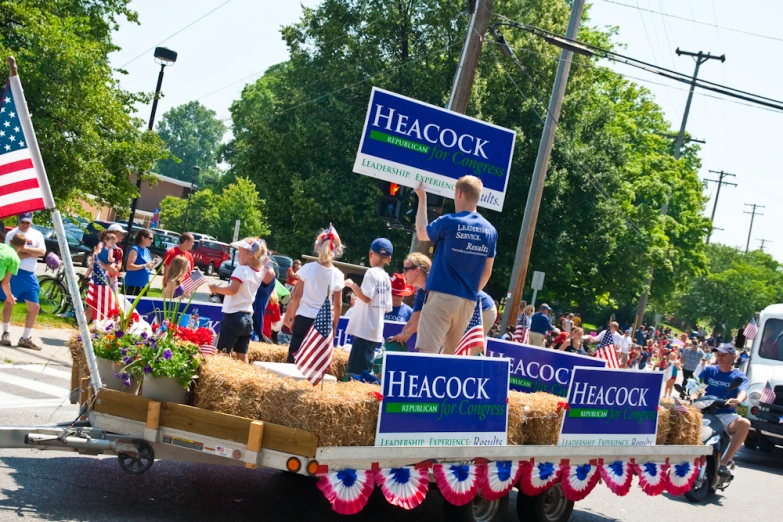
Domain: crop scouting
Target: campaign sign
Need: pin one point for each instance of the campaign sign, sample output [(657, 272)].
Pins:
[(406, 141), (611, 408), (390, 329), (210, 314), (535, 369), (443, 400)]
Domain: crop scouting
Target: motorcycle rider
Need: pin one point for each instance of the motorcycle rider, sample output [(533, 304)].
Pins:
[(717, 378)]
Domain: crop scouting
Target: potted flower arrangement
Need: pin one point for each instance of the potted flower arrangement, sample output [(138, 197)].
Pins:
[(115, 351)]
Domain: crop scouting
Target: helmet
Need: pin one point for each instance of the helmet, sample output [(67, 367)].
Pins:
[(52, 261)]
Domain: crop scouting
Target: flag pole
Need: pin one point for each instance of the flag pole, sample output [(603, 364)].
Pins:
[(62, 241)]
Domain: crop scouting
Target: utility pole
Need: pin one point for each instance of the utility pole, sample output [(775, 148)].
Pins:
[(763, 242), (753, 215), (463, 79), (526, 233), (720, 183), (699, 58)]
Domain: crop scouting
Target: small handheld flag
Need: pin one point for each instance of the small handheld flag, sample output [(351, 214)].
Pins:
[(193, 281), (315, 355), (607, 352), (523, 328), (768, 395), (474, 333), (100, 294)]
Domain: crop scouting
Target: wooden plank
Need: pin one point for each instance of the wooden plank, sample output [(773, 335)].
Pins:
[(254, 438), (153, 415), (289, 440), (84, 385), (120, 404), (74, 380)]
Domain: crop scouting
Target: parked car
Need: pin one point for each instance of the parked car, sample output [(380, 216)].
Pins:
[(79, 253), (161, 242), (209, 255), (283, 263), (92, 231), (228, 266), (199, 237)]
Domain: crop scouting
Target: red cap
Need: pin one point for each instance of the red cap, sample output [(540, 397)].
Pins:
[(399, 287)]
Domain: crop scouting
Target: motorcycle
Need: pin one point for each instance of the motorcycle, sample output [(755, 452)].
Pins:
[(713, 433)]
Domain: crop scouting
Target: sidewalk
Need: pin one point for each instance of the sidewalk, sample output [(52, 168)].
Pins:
[(52, 341)]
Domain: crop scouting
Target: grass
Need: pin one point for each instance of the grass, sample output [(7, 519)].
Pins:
[(43, 320), (676, 331), (588, 327)]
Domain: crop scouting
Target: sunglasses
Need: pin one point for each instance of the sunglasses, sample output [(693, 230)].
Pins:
[(406, 268)]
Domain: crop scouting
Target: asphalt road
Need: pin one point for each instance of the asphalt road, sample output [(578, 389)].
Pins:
[(36, 485)]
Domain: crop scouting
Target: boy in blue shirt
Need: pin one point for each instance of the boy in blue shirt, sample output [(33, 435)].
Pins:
[(400, 312), (465, 245)]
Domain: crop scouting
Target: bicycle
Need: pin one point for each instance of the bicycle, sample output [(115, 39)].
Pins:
[(54, 297)]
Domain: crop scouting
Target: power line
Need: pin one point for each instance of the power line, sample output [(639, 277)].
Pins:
[(749, 33), (175, 34)]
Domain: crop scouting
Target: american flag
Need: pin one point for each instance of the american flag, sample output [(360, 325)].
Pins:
[(315, 355), (681, 407), (768, 395), (193, 281), (523, 329), (751, 330), (100, 294), (474, 333), (23, 183), (607, 351), (207, 349)]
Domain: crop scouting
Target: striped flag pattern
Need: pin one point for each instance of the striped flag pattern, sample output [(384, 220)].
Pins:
[(315, 355), (474, 333), (751, 330), (193, 281), (768, 395), (207, 349), (100, 294), (523, 329), (606, 350), (23, 184), (680, 407)]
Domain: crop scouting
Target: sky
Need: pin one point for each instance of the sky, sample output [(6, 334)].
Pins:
[(224, 44)]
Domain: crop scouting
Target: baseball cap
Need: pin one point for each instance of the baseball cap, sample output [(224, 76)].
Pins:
[(398, 286), (545, 306), (726, 348), (116, 227), (382, 247), (26, 216)]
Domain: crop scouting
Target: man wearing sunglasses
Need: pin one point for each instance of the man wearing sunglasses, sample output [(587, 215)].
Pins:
[(465, 245)]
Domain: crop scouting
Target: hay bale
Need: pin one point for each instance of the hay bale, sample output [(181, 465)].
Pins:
[(683, 429), (534, 418), (274, 353), (76, 348), (664, 419)]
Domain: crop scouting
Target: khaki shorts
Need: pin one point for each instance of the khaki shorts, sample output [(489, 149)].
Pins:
[(488, 318), (623, 359), (442, 322), (536, 339)]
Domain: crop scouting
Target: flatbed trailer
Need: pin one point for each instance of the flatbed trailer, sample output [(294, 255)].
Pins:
[(139, 431)]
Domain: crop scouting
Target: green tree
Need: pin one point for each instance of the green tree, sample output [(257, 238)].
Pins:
[(192, 133), (90, 139), (202, 215), (240, 201)]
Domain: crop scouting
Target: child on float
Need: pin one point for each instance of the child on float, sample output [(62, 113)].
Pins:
[(175, 274), (236, 327), (374, 300), (317, 281)]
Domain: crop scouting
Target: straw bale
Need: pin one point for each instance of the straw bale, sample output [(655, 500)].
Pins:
[(683, 429), (275, 353), (664, 419), (533, 418), (76, 348)]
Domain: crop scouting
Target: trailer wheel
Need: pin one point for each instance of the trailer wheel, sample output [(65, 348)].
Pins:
[(136, 466), (549, 506), (480, 510)]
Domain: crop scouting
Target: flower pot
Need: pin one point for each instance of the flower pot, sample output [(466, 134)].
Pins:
[(164, 389), (107, 369)]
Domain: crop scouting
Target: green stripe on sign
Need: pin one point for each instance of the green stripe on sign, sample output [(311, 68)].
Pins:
[(411, 407), (521, 382), (400, 142), (582, 413)]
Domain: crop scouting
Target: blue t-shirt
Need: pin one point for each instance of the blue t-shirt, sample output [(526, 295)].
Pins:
[(418, 303), (142, 276), (399, 313), (486, 301), (463, 242), (540, 324), (104, 256), (717, 382)]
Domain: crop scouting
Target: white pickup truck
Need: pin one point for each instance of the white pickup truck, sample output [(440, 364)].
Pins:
[(766, 365)]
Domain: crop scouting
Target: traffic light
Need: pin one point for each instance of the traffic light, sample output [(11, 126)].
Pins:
[(390, 205)]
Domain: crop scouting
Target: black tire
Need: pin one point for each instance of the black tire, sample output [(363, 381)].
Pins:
[(480, 510), (549, 506), (700, 491), (211, 269), (52, 295)]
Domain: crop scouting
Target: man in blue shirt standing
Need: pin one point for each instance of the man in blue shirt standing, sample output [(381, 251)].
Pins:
[(718, 378), (465, 246), (540, 326)]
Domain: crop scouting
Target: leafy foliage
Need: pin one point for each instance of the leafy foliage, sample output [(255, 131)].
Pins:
[(89, 137)]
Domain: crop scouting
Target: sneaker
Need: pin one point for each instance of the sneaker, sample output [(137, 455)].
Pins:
[(724, 472), (28, 343), (5, 340)]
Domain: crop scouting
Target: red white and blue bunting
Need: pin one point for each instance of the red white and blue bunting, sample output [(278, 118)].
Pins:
[(497, 478), (405, 487), (578, 480), (652, 477), (347, 490), (458, 483), (537, 477), (617, 475), (681, 477)]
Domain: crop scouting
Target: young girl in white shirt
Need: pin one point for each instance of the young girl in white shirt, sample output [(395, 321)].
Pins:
[(237, 323), (317, 281)]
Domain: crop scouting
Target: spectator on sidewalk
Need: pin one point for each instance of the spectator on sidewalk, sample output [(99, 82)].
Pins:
[(569, 323), (186, 242), (465, 245), (577, 320), (640, 337), (625, 348), (617, 339), (540, 326), (691, 358), (24, 285), (140, 263)]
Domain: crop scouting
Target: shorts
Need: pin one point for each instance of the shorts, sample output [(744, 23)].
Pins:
[(727, 418), (442, 322), (24, 287), (235, 331)]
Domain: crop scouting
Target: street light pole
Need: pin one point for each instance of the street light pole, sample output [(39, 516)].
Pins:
[(536, 191), (164, 57), (190, 192)]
